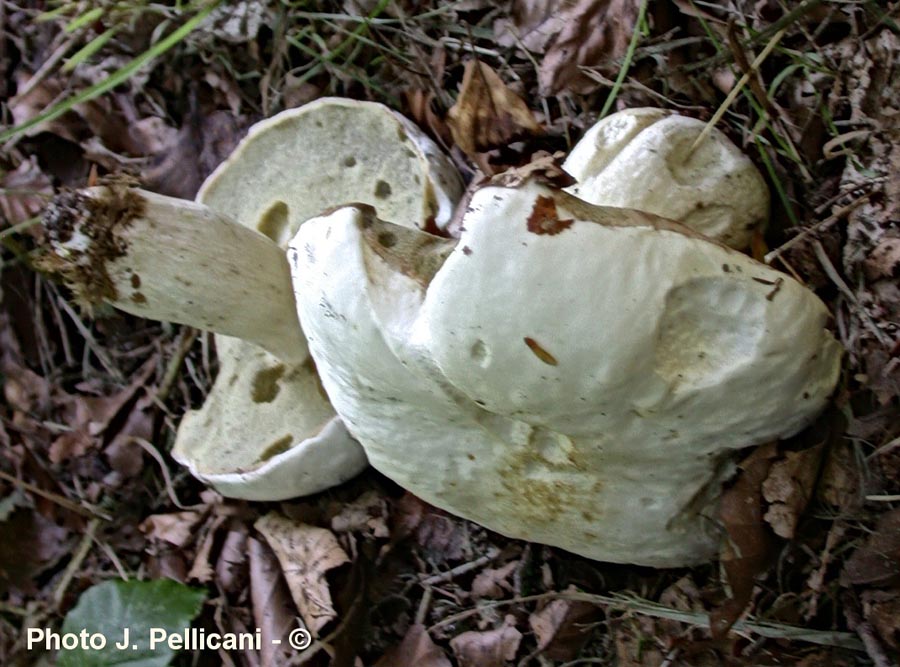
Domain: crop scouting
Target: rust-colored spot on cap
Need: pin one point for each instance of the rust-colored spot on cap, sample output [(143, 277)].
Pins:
[(544, 219)]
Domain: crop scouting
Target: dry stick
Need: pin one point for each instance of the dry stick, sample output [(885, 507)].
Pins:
[(80, 554), (844, 289), (84, 509), (762, 628), (818, 227), (717, 116), (460, 569)]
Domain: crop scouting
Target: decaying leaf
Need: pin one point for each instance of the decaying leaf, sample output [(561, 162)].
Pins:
[(367, 514), (306, 553), (273, 610), (877, 561), (30, 545), (750, 546), (25, 192), (487, 113), (563, 627), (416, 650), (543, 167), (177, 528), (789, 488), (882, 610), (492, 648), (494, 582), (593, 34)]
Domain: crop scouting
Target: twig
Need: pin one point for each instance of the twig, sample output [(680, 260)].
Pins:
[(424, 605), (818, 227), (832, 273), (735, 91), (766, 629), (81, 553), (167, 477), (83, 509), (460, 569)]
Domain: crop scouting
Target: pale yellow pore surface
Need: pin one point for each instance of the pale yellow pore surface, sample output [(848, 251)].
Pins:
[(267, 430)]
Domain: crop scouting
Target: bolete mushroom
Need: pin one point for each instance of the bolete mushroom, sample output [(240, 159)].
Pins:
[(266, 430), (565, 373), (646, 159)]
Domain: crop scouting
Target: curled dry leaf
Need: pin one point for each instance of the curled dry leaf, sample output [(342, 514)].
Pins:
[(789, 488), (306, 554), (751, 545), (494, 582), (563, 627), (487, 113), (177, 528), (593, 34), (273, 610), (416, 650), (493, 648), (31, 544)]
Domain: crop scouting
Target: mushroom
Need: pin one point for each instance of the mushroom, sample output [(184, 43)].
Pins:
[(266, 430), (570, 374), (646, 159)]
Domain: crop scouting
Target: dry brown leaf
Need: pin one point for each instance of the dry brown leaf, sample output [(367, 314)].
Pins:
[(877, 561), (595, 33), (416, 650), (30, 545), (20, 198), (839, 485), (273, 609), (634, 643), (487, 113), (367, 514), (532, 23), (544, 167), (789, 488), (306, 553), (751, 546), (882, 610), (177, 528), (493, 648), (563, 627), (494, 582)]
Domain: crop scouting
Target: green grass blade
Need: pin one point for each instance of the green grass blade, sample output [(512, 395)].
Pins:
[(626, 63), (119, 76), (89, 49)]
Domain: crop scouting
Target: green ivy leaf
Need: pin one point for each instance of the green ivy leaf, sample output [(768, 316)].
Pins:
[(110, 607)]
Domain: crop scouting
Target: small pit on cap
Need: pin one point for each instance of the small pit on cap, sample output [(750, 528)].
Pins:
[(274, 222)]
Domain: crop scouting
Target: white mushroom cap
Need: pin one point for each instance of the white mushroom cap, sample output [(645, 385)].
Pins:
[(289, 168), (331, 152), (642, 159), (308, 447), (572, 375)]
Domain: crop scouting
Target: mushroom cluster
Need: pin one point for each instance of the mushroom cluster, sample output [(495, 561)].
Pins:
[(577, 373)]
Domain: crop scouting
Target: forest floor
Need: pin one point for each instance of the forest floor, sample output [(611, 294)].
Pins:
[(163, 92)]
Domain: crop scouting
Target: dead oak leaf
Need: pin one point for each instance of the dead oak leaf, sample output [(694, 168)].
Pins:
[(877, 561), (416, 650), (487, 113), (493, 648), (306, 553), (593, 34)]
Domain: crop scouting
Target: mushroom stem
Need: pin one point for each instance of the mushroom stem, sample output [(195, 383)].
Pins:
[(175, 260)]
